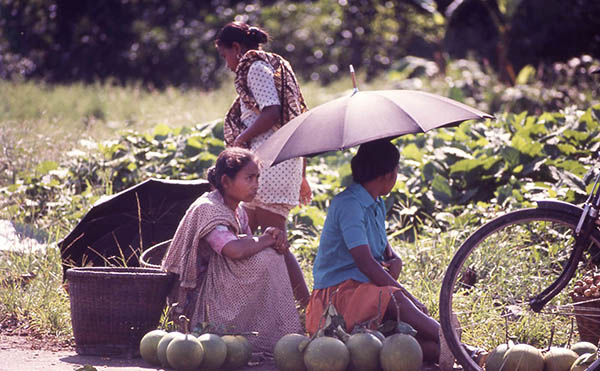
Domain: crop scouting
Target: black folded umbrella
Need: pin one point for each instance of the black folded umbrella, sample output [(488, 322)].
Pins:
[(119, 228)]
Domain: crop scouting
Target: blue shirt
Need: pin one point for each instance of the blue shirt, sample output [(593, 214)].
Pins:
[(353, 219)]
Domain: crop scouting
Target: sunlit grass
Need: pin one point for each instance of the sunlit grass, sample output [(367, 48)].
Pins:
[(41, 303)]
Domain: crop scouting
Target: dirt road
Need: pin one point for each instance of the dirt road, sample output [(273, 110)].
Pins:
[(16, 354)]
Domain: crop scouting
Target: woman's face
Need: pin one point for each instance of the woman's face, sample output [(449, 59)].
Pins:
[(244, 185), (391, 178), (230, 55)]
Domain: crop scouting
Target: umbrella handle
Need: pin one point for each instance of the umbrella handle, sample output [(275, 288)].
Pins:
[(353, 79)]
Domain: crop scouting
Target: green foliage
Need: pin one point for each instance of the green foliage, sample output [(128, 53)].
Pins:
[(450, 180), (172, 44), (510, 161), (42, 300)]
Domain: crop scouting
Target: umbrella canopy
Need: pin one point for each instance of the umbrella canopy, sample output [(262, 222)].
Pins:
[(362, 117), (118, 228)]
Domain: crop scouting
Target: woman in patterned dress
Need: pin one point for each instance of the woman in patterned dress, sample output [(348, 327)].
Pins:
[(268, 97), (235, 282)]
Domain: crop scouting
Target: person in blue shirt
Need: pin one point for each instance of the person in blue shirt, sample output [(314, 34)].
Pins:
[(355, 267)]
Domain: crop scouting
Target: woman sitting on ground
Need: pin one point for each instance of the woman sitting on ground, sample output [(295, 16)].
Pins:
[(234, 281), (355, 267)]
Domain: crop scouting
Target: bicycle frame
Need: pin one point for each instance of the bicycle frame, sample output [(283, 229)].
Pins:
[(589, 214)]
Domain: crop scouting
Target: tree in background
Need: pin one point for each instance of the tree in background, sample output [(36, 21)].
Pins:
[(162, 43)]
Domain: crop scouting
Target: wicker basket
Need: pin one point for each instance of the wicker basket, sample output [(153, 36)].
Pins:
[(587, 315), (152, 257), (112, 308)]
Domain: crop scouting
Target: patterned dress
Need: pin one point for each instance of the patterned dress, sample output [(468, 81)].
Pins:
[(266, 79), (279, 184), (237, 296)]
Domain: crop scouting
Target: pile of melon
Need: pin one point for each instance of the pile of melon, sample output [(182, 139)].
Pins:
[(524, 357), (179, 351), (360, 351)]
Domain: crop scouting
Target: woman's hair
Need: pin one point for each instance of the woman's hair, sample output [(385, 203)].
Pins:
[(249, 37), (374, 159), (229, 163)]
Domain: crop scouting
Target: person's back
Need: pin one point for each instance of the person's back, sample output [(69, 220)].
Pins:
[(353, 219)]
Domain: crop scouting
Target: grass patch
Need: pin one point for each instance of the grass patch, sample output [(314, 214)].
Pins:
[(41, 303)]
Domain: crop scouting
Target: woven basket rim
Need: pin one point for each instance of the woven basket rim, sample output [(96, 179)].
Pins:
[(152, 249), (129, 272)]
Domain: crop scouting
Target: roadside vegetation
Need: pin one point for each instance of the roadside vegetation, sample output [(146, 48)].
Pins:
[(64, 146)]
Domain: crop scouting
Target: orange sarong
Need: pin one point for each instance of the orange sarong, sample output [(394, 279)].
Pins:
[(356, 301)]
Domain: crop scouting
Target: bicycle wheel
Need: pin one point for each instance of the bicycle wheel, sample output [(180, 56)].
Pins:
[(497, 270)]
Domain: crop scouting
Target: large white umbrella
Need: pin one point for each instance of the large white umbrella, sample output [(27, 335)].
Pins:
[(362, 117)]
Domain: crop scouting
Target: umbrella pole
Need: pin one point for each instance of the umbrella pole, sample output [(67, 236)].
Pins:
[(353, 79)]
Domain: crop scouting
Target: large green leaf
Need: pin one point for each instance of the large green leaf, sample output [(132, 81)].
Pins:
[(526, 145), (412, 152), (442, 189)]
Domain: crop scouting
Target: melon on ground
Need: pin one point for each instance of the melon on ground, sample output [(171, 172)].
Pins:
[(523, 357), (584, 361), (239, 351), (583, 347), (149, 344), (287, 354), (401, 352), (326, 354), (559, 359), (364, 351), (215, 351), (495, 360), (185, 353), (161, 348)]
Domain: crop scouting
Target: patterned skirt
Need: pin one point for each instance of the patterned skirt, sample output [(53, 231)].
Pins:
[(279, 184), (249, 295)]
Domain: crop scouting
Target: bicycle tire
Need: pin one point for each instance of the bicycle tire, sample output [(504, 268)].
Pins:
[(540, 241)]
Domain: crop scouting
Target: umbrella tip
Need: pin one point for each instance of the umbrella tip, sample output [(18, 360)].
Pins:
[(353, 79)]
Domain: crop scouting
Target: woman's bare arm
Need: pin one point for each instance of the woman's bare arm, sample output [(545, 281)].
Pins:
[(247, 246), (371, 268), (267, 118)]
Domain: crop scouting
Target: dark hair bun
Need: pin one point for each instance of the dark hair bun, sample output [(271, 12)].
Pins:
[(258, 35), (240, 32), (211, 176)]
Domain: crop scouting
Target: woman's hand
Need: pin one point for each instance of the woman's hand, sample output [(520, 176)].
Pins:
[(280, 243), (305, 192), (393, 267)]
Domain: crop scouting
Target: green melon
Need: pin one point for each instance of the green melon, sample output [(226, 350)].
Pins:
[(583, 347), (523, 357), (288, 356), (185, 353), (149, 344), (326, 354), (401, 352), (584, 361), (215, 351), (377, 334), (239, 351), (495, 360), (559, 359), (364, 351), (161, 348)]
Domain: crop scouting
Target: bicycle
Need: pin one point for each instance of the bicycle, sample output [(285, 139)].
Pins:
[(507, 279)]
